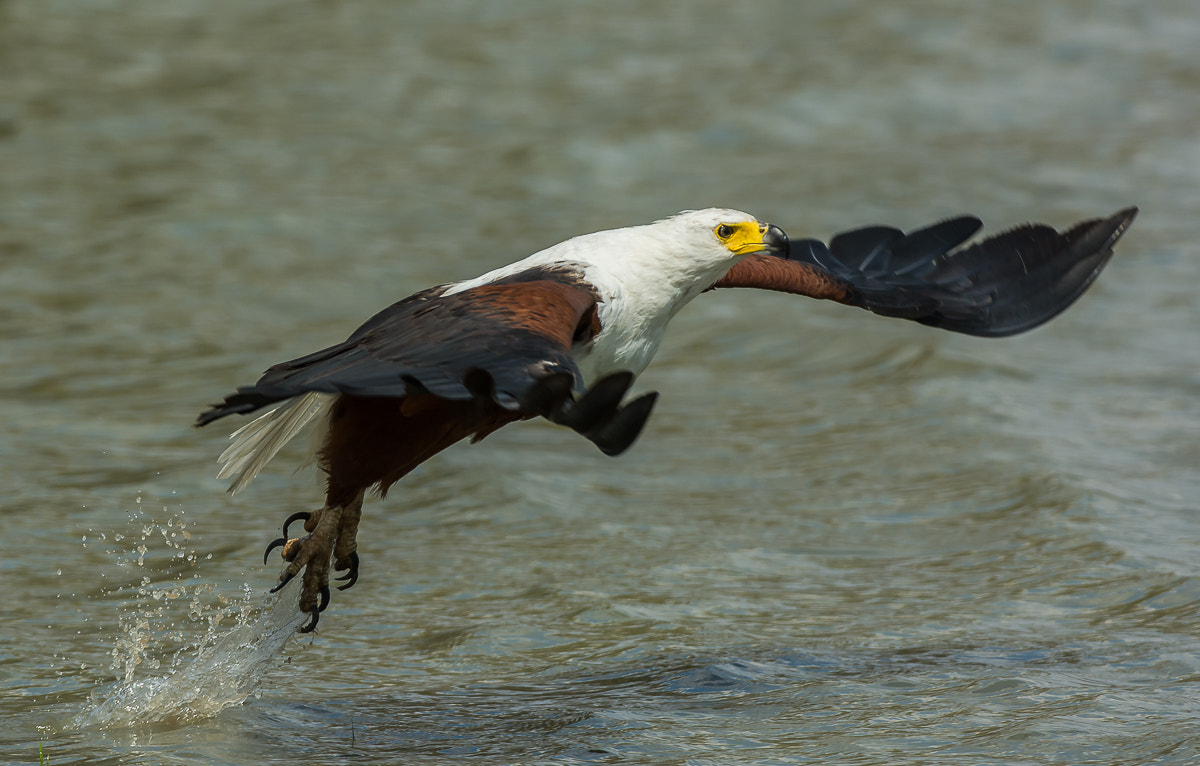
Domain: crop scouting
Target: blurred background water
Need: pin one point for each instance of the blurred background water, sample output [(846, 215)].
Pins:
[(842, 539)]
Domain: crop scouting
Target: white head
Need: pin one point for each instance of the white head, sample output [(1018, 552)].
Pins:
[(683, 254), (673, 259), (646, 274), (682, 246), (719, 236)]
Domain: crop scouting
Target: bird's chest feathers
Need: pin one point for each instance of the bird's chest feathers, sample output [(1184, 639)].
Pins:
[(633, 323)]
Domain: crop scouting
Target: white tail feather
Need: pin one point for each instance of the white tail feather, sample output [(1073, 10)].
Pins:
[(255, 443)]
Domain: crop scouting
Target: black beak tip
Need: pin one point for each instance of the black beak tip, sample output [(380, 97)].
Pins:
[(776, 240)]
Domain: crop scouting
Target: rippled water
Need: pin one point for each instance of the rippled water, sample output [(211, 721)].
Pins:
[(842, 539)]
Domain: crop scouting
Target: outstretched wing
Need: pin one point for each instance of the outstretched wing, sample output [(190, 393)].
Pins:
[(427, 342), (508, 343), (1004, 285)]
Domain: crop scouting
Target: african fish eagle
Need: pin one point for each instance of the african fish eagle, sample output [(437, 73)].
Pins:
[(563, 333)]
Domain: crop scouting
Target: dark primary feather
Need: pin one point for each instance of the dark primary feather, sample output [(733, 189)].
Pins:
[(1004, 285)]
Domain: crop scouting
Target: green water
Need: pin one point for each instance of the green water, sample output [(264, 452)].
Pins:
[(842, 539)]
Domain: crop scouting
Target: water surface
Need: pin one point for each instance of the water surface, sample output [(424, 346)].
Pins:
[(842, 539)]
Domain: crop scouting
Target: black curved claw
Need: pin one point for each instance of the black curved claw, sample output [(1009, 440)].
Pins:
[(295, 517), (324, 598), (351, 575), (287, 578), (276, 543), (310, 627)]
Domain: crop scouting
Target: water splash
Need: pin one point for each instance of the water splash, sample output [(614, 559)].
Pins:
[(225, 671), (203, 676)]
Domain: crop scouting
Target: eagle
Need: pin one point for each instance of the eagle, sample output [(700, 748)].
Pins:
[(563, 334)]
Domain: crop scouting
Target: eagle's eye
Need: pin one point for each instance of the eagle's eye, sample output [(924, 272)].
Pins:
[(724, 231)]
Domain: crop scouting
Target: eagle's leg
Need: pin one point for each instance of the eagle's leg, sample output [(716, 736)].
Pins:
[(312, 553), (345, 553), (311, 520)]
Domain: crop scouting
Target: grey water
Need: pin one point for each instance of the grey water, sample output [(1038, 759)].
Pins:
[(842, 538)]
